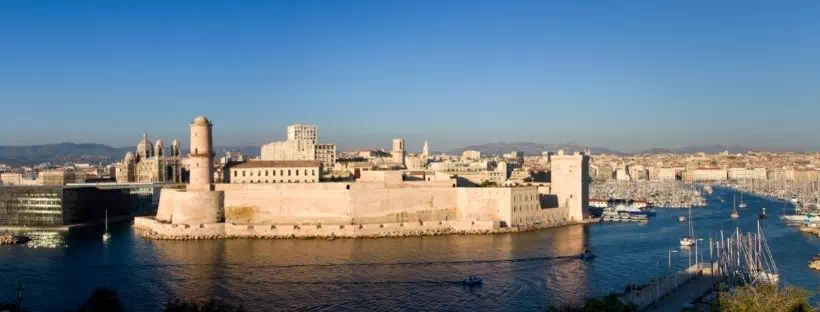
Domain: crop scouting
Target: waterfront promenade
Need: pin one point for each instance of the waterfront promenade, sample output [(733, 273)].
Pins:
[(673, 291)]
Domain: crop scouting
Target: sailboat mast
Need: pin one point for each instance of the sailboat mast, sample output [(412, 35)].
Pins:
[(106, 220)]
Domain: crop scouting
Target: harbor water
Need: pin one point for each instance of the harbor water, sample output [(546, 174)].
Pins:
[(522, 271)]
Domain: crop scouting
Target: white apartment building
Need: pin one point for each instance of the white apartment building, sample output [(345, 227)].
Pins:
[(301, 132), (475, 155), (301, 145)]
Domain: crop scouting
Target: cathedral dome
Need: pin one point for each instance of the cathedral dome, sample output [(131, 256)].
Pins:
[(201, 121), (159, 148), (129, 156), (144, 147)]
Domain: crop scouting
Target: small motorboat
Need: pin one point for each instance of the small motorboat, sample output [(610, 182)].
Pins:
[(763, 214), (682, 219), (687, 241), (587, 255), (735, 215), (106, 236), (472, 281)]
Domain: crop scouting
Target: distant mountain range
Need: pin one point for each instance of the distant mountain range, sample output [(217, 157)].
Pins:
[(529, 148), (83, 153), (711, 149), (98, 153)]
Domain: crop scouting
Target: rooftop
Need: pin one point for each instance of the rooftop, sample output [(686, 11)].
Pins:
[(279, 164)]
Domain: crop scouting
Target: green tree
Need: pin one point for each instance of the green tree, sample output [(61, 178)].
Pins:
[(764, 298)]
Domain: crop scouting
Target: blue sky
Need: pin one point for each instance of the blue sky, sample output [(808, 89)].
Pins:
[(626, 75)]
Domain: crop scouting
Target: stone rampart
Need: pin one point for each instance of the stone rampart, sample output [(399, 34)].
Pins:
[(190, 207)]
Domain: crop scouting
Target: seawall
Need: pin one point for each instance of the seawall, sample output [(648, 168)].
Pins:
[(155, 229)]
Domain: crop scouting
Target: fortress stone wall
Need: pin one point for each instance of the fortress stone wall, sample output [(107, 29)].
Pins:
[(381, 203)]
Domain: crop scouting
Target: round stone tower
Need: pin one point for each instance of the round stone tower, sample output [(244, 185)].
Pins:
[(201, 155)]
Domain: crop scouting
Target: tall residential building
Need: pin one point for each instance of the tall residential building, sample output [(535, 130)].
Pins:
[(300, 132), (301, 145)]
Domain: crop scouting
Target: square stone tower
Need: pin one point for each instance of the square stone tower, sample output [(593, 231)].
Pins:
[(398, 151), (570, 183)]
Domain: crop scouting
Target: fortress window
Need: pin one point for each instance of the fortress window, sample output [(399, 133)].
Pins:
[(259, 173), (235, 173), (243, 173), (288, 173), (305, 171), (281, 172), (297, 172), (266, 173), (314, 172), (274, 172)]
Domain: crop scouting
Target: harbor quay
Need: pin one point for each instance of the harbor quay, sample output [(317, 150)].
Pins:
[(380, 203)]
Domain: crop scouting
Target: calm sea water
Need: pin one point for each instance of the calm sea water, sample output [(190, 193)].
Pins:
[(421, 273)]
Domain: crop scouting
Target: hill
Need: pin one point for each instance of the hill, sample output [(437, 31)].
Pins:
[(83, 152), (529, 148)]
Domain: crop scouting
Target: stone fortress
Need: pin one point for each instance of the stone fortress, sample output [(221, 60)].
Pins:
[(378, 204)]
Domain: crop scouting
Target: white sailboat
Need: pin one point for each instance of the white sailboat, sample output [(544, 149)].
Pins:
[(742, 203), (689, 240), (734, 214), (106, 236)]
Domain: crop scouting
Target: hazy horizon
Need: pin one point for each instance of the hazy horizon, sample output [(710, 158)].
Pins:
[(624, 76)]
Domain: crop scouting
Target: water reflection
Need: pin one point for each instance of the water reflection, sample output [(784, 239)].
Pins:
[(523, 271)]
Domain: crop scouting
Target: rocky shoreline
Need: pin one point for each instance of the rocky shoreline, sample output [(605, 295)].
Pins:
[(11, 239), (815, 263), (149, 234)]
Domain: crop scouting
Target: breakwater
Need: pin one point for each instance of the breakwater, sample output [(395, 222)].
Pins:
[(155, 229)]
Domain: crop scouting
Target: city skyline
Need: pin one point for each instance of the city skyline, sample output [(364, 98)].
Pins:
[(627, 77)]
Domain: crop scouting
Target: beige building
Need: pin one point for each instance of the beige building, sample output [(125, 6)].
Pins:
[(11, 178), (151, 163), (471, 155), (301, 144), (60, 177), (747, 174), (277, 171), (415, 162), (398, 151), (705, 174), (667, 174)]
